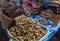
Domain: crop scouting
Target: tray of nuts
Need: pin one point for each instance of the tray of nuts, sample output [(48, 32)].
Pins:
[(42, 21), (26, 29)]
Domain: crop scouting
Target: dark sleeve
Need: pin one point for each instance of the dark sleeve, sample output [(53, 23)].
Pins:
[(3, 34)]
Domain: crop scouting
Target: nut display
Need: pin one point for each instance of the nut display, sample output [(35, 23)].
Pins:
[(25, 29), (55, 18), (48, 14), (54, 22), (12, 12), (42, 21), (55, 7)]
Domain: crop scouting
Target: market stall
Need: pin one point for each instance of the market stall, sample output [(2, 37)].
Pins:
[(30, 20)]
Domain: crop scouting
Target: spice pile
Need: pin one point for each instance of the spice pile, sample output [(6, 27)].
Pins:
[(26, 30)]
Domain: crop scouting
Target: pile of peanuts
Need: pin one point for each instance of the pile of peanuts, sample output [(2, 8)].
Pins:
[(25, 29)]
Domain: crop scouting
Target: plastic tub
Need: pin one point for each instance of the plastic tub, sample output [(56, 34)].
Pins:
[(46, 37), (36, 17), (38, 40)]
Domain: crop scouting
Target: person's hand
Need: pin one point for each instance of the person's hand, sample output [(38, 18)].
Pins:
[(6, 21)]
